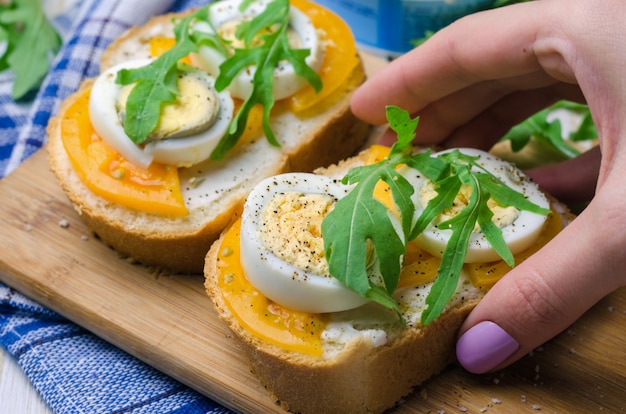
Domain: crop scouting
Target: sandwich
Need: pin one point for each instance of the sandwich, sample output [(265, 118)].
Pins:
[(346, 287), (191, 110)]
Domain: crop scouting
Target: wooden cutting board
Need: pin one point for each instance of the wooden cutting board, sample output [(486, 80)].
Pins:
[(167, 321)]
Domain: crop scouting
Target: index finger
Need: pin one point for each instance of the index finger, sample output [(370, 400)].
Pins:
[(487, 46)]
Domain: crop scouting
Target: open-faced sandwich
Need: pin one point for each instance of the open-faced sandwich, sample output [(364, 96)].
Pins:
[(346, 288), (191, 111)]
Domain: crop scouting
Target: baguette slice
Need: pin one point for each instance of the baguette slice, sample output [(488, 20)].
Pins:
[(322, 136), (360, 375)]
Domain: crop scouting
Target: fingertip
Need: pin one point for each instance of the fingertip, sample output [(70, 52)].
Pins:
[(366, 107), (484, 347)]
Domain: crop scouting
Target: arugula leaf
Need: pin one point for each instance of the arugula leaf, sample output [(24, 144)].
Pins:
[(447, 190), (359, 219), (506, 196), (549, 132), (211, 40), (462, 226), (156, 83), (273, 47), (31, 42), (484, 186), (367, 220)]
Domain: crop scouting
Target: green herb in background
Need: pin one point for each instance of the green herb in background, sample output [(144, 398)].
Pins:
[(550, 132), (359, 219), (29, 42)]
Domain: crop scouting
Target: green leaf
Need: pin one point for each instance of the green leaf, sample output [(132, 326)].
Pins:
[(549, 133), (404, 126), (506, 196), (492, 232), (273, 48), (462, 226), (156, 83), (32, 42), (244, 4), (447, 190), (359, 221), (211, 40), (484, 186), (587, 129), (519, 136), (433, 168), (366, 220)]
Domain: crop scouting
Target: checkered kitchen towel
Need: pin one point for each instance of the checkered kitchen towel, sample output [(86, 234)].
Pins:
[(73, 370)]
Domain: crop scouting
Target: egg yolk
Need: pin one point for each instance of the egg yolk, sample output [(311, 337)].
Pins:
[(301, 331)]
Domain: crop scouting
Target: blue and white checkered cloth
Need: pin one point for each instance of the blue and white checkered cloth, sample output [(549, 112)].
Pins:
[(73, 370)]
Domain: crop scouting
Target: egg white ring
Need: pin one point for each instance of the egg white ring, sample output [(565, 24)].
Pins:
[(282, 282), (180, 152), (519, 235), (286, 81), (104, 117)]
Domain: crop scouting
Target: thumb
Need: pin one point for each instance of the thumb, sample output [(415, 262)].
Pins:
[(542, 296)]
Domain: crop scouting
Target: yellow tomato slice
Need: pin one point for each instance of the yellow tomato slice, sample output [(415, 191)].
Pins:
[(291, 330), (420, 267), (340, 55), (107, 174)]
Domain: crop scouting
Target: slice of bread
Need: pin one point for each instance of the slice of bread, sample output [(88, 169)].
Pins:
[(321, 136), (360, 374)]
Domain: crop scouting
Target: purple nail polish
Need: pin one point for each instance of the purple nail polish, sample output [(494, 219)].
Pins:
[(484, 347)]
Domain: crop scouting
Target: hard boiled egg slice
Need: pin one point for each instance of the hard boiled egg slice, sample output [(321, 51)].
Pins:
[(282, 251), (188, 130), (225, 16), (520, 228)]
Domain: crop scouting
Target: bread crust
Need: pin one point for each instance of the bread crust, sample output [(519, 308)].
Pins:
[(180, 244), (362, 378)]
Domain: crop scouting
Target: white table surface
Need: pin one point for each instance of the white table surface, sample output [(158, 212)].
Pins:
[(17, 395)]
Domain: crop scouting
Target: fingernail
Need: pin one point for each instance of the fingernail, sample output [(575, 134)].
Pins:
[(484, 346)]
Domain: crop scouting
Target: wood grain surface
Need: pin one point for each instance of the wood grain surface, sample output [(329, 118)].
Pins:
[(167, 320)]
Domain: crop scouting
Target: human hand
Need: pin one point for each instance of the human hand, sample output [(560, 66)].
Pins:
[(469, 84)]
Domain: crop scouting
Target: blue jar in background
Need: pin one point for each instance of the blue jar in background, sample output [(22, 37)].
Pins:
[(389, 28)]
